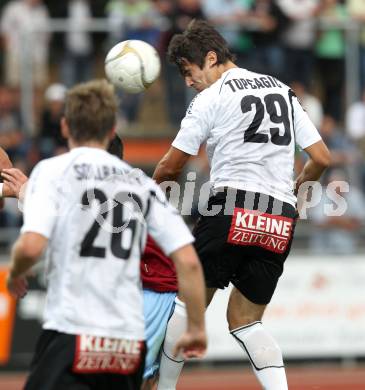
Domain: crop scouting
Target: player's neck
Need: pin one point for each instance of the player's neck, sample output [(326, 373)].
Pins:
[(88, 144), (226, 66)]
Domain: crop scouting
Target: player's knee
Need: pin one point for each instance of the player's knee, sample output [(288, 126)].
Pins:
[(235, 322), (266, 356), (236, 319)]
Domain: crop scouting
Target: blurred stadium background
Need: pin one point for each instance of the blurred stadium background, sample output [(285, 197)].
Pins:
[(318, 47)]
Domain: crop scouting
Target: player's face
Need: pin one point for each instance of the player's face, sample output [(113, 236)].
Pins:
[(198, 78)]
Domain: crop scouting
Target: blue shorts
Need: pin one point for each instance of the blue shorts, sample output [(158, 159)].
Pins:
[(158, 308)]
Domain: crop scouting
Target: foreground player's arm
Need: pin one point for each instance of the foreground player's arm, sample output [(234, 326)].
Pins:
[(4, 163), (320, 159), (26, 251), (170, 166), (40, 213), (191, 288)]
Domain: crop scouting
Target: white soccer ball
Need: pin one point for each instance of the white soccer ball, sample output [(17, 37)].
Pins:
[(132, 65)]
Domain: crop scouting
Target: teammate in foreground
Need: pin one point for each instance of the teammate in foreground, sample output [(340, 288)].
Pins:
[(164, 313), (251, 123), (91, 211)]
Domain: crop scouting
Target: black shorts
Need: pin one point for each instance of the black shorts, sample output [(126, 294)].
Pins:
[(53, 367), (246, 242)]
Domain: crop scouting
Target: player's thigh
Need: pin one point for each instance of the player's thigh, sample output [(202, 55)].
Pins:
[(158, 308), (210, 243), (241, 311)]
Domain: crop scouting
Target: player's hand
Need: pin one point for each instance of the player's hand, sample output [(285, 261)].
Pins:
[(18, 286), (192, 344), (4, 160), (14, 182)]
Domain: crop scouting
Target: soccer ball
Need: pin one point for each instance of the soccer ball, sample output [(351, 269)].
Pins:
[(132, 65)]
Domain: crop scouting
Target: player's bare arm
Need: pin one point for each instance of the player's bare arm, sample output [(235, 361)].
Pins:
[(4, 160), (25, 253), (191, 286), (320, 159), (4, 163), (171, 165)]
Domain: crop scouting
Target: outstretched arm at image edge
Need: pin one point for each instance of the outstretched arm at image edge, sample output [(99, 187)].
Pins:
[(26, 251)]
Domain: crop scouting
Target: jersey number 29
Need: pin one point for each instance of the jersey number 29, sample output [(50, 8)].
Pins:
[(276, 116)]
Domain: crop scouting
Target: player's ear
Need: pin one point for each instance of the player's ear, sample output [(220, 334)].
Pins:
[(211, 58), (65, 131)]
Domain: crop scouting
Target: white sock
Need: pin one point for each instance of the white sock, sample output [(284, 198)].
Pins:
[(264, 354), (170, 368)]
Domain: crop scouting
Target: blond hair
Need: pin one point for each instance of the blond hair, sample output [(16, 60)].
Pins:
[(90, 110)]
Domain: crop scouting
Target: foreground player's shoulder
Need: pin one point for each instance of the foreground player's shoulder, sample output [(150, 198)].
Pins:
[(200, 103), (52, 166)]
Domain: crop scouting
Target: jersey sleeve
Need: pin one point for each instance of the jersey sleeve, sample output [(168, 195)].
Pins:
[(40, 204), (305, 132), (164, 223), (195, 126)]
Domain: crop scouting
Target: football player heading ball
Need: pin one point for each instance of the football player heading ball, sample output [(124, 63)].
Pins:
[(250, 123)]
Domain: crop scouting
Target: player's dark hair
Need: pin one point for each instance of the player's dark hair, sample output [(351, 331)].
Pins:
[(90, 111), (116, 147), (194, 44)]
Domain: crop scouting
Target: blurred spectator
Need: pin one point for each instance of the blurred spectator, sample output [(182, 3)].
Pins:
[(330, 51), (132, 19), (268, 54), (228, 16), (51, 141), (11, 136), (24, 25), (185, 12), (343, 152), (355, 122), (337, 234), (77, 66), (310, 103), (178, 14), (299, 38), (355, 127), (356, 9)]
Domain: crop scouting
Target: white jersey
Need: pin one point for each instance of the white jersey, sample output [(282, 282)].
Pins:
[(251, 124), (95, 210)]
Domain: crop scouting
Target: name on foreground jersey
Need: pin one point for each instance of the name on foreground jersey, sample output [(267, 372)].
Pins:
[(102, 354), (253, 228)]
